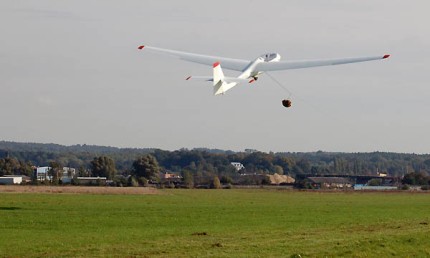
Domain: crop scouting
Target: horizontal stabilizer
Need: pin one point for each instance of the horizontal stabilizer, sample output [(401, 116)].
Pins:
[(199, 78), (211, 79), (221, 87)]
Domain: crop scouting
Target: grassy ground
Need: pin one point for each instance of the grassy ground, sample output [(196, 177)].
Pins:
[(215, 223)]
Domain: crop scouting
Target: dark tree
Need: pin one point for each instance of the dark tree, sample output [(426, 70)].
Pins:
[(415, 178), (188, 179), (147, 167), (26, 168), (103, 166), (11, 166), (304, 166), (55, 172), (8, 166)]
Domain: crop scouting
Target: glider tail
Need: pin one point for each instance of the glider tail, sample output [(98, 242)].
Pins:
[(219, 82), (218, 73)]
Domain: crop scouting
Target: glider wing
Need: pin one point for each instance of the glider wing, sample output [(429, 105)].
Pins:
[(227, 63), (286, 65)]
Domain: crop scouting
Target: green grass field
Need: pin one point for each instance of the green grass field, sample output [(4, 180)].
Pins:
[(215, 223)]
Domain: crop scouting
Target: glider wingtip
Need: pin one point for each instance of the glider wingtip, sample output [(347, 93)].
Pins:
[(141, 47), (386, 56)]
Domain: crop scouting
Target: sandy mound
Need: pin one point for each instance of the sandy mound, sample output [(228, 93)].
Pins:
[(277, 179)]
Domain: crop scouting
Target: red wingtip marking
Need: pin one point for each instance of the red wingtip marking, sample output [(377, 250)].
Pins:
[(141, 47), (216, 64), (251, 81), (386, 56), (189, 77)]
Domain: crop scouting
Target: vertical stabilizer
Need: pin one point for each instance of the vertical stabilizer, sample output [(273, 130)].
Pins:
[(218, 74), (220, 85)]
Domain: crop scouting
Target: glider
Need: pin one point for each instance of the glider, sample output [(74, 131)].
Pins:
[(250, 69)]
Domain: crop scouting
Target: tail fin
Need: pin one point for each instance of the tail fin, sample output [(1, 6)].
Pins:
[(218, 74), (220, 85)]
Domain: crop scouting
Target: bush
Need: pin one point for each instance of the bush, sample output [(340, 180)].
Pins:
[(405, 187), (132, 182), (34, 181), (101, 182), (425, 187), (375, 182), (226, 180), (188, 179), (75, 181), (305, 184), (265, 181), (229, 186), (216, 184), (143, 181), (120, 181), (170, 185)]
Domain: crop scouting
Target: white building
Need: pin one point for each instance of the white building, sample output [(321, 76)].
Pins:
[(237, 165), (169, 176), (10, 180), (42, 174)]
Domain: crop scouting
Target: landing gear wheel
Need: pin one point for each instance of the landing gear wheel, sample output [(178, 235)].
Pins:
[(286, 103)]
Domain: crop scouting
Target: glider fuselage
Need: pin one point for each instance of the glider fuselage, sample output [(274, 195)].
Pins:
[(251, 73)]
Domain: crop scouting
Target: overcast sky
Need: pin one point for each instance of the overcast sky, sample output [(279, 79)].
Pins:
[(70, 73)]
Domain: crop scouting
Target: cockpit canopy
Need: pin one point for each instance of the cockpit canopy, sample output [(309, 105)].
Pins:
[(271, 57)]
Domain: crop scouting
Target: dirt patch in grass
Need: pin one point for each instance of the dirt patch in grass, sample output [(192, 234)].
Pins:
[(77, 189)]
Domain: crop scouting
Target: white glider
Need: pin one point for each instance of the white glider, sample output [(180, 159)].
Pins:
[(250, 70)]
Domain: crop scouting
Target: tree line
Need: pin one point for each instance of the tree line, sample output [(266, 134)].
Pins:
[(203, 164)]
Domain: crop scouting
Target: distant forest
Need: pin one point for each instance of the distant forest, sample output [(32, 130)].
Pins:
[(214, 162)]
